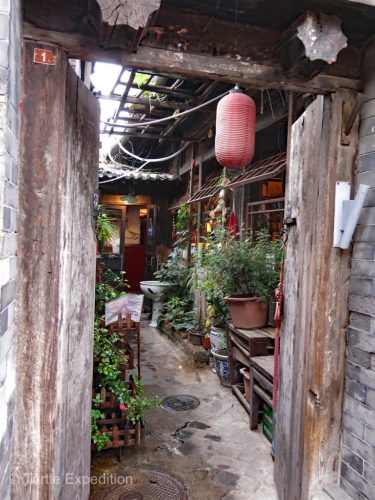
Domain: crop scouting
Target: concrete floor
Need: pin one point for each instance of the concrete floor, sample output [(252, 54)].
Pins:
[(211, 448)]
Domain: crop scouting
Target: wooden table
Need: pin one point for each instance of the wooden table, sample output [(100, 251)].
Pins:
[(243, 345), (261, 385)]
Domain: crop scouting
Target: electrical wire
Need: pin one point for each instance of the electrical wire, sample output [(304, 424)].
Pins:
[(160, 120), (128, 167), (153, 160)]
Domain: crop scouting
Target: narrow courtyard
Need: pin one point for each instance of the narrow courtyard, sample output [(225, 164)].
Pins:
[(187, 250), (210, 449)]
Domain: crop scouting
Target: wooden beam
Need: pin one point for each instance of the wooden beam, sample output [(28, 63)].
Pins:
[(124, 96), (80, 46), (188, 30)]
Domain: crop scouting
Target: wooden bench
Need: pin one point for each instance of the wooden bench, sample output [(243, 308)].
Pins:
[(242, 346)]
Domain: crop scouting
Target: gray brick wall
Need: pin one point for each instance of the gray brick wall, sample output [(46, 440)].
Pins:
[(358, 441), (10, 57)]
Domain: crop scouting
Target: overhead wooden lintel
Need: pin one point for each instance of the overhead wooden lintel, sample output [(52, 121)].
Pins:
[(86, 48)]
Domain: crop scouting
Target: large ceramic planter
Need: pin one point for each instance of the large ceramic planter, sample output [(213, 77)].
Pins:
[(247, 312), (218, 338), (221, 366)]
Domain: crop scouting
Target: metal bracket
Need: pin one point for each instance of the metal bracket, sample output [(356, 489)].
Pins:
[(347, 213)]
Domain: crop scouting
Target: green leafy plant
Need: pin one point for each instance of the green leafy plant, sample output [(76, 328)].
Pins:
[(178, 294), (110, 358), (111, 287), (98, 437), (104, 227), (110, 355), (252, 266), (135, 407), (189, 321), (183, 228), (236, 267), (177, 311)]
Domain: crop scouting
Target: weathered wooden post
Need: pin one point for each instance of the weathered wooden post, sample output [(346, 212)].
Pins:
[(316, 283)]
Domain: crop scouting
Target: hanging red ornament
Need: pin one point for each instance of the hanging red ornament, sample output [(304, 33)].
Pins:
[(235, 129)]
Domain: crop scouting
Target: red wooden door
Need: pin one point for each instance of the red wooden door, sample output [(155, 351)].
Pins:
[(135, 266)]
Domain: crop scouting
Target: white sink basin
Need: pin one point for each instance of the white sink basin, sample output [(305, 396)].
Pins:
[(152, 290)]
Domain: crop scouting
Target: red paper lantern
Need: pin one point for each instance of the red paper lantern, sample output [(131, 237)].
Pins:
[(235, 130)]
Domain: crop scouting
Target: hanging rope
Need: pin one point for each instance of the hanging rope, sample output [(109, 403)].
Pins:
[(278, 319)]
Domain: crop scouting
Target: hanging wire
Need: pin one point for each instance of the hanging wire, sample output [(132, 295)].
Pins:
[(128, 167), (269, 98), (153, 160)]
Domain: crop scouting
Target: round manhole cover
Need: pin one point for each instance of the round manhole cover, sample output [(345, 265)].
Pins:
[(131, 495), (142, 485), (181, 402)]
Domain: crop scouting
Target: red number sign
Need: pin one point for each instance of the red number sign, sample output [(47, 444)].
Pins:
[(42, 56)]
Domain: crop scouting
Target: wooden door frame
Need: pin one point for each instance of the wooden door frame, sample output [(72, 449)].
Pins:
[(316, 286)]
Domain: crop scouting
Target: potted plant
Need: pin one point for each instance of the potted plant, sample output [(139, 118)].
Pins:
[(251, 275), (241, 273), (208, 280)]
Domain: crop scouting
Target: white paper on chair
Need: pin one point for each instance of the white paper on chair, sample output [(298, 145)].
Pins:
[(126, 304)]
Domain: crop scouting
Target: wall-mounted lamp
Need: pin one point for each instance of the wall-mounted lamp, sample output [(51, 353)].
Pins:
[(347, 213)]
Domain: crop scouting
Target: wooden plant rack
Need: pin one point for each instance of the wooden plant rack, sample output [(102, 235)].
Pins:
[(125, 327), (119, 433), (114, 424)]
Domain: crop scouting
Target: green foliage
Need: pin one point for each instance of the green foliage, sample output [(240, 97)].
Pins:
[(178, 313), (253, 266), (141, 79), (111, 356), (111, 287), (104, 227), (189, 321), (178, 294), (175, 272), (98, 437), (136, 406), (208, 279), (183, 228), (236, 267)]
